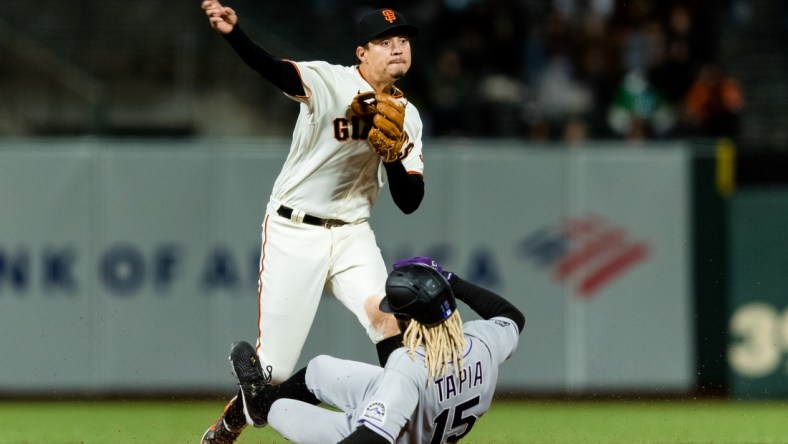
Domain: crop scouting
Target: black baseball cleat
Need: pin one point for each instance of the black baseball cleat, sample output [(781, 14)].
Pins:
[(247, 368)]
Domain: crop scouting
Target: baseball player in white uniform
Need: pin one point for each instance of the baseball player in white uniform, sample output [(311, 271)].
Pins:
[(433, 389), (315, 233)]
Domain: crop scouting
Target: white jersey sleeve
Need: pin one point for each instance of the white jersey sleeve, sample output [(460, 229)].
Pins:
[(414, 159)]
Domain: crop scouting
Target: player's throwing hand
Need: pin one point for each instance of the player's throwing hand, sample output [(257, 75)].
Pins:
[(222, 18)]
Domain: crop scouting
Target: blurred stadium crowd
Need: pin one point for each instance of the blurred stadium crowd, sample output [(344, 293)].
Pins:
[(569, 70)]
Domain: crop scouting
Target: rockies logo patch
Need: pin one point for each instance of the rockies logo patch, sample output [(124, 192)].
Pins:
[(375, 411)]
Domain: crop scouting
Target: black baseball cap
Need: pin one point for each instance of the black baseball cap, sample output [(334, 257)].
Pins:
[(418, 292), (380, 22)]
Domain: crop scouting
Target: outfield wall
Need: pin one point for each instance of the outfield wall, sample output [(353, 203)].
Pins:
[(130, 266), (757, 354)]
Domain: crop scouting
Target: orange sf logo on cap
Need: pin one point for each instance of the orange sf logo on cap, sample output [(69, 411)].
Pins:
[(389, 15)]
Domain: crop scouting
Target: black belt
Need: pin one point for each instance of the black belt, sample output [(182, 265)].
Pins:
[(311, 220)]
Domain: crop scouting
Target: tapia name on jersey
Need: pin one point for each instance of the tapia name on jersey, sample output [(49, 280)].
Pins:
[(452, 385)]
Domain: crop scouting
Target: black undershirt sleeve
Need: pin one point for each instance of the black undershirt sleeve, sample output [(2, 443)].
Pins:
[(281, 73), (406, 189), (386, 347), (484, 302), (363, 435)]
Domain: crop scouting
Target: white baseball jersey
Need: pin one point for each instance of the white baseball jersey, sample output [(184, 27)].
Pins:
[(398, 402), (330, 173)]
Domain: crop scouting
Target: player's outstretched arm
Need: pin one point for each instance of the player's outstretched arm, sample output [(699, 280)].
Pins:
[(222, 18), (281, 73), (484, 302)]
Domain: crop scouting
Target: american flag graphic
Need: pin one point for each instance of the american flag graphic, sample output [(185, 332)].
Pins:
[(588, 251)]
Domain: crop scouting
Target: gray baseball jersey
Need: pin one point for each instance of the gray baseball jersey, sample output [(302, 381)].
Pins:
[(399, 403)]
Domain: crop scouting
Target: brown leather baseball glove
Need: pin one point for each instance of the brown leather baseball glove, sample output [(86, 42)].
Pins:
[(385, 116)]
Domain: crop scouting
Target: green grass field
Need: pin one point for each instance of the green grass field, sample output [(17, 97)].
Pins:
[(170, 422)]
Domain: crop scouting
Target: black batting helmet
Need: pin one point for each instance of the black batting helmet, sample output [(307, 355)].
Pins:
[(419, 292)]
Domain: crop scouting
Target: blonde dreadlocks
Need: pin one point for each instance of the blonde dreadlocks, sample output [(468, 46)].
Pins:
[(443, 343)]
